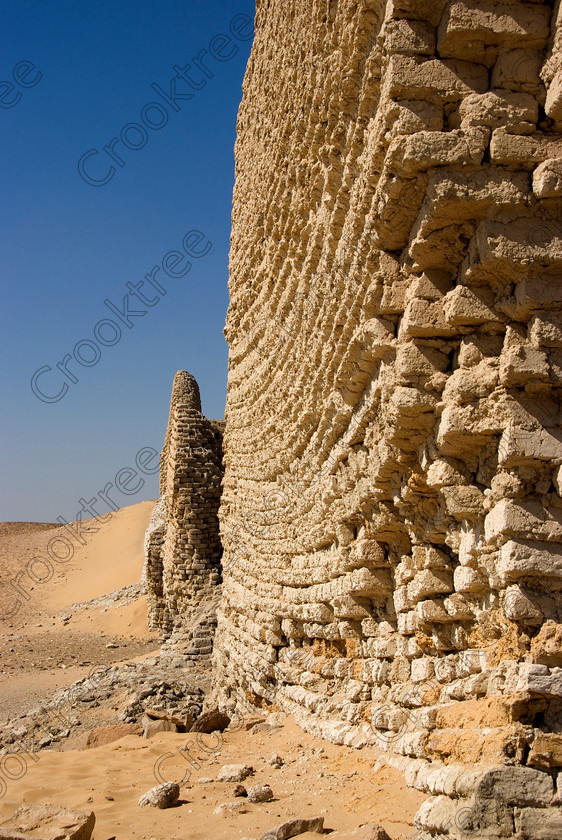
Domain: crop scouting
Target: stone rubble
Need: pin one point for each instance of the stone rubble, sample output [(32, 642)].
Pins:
[(119, 598), (111, 695)]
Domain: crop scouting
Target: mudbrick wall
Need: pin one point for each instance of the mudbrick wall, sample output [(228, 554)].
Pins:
[(391, 512), (182, 543)]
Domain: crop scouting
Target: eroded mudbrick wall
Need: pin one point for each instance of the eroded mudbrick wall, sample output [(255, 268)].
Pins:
[(391, 512), (182, 543)]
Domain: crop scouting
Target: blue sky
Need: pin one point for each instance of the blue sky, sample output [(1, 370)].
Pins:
[(77, 76)]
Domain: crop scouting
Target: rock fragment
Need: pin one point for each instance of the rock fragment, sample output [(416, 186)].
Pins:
[(213, 721), (49, 823), (294, 827), (152, 727), (234, 773), (161, 796), (231, 808), (373, 832), (260, 793)]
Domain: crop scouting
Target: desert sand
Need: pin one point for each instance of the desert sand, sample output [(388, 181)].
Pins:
[(39, 651)]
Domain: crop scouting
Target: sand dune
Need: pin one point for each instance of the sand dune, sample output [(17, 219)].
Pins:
[(39, 651), (111, 559)]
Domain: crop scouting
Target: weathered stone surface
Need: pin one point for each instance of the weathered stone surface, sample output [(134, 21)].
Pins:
[(260, 793), (211, 721), (229, 808), (292, 828), (524, 152), (161, 796), (547, 179), (516, 111), (48, 823), (516, 786), (412, 154), (546, 750), (373, 832), (540, 680), (553, 104), (525, 520), (234, 773), (183, 722), (519, 445), (519, 558), (474, 28), (538, 824), (152, 727), (546, 647), (107, 734), (182, 544), (434, 81)]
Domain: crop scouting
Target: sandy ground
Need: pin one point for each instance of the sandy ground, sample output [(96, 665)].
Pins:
[(41, 651), (316, 779)]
